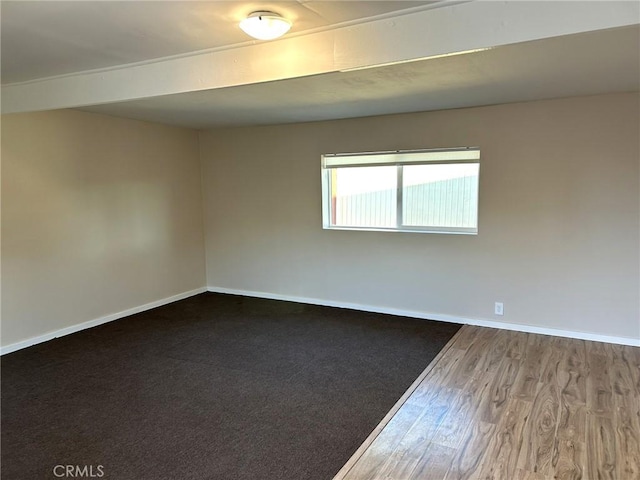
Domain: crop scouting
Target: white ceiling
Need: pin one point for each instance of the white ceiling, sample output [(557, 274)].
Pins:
[(581, 64), (47, 38), (529, 51)]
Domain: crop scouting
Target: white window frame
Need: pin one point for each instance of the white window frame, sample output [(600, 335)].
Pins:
[(398, 158)]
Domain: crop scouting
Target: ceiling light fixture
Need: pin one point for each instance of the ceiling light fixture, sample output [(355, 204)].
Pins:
[(265, 25)]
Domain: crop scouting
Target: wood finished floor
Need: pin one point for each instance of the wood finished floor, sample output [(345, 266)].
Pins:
[(513, 406)]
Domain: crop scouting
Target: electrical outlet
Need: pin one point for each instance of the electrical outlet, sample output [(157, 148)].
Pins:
[(499, 308)]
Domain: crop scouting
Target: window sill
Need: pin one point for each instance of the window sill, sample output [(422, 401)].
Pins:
[(406, 230)]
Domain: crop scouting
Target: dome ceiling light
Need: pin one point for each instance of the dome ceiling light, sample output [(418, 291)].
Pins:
[(265, 25)]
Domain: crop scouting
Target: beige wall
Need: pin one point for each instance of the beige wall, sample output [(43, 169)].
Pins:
[(559, 216), (99, 215)]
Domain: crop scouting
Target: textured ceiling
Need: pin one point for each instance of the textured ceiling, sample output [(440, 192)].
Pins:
[(188, 63), (48, 38), (582, 64)]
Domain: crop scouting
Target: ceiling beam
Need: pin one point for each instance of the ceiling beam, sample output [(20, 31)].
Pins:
[(449, 29)]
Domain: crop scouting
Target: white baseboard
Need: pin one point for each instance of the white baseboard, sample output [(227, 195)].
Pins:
[(436, 316), (98, 321), (327, 303)]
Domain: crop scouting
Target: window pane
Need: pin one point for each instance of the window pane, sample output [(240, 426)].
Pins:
[(364, 196), (440, 195)]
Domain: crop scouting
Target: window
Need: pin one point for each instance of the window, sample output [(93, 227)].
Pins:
[(417, 190)]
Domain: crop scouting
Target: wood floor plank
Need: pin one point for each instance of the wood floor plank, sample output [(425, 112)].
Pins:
[(471, 452), (622, 375), (495, 399), (540, 428), (627, 431), (570, 460), (475, 354), (601, 448), (433, 465), (538, 435), (631, 356), (501, 459), (500, 343), (467, 335), (572, 373), (405, 456), (451, 431), (441, 374), (572, 421), (626, 401), (572, 380), (378, 452), (518, 345), (596, 348), (535, 360), (524, 475), (632, 353), (599, 391)]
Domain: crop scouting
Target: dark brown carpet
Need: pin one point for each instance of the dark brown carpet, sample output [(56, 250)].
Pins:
[(212, 387)]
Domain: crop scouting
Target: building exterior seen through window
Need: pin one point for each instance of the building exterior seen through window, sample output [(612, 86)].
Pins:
[(418, 190)]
